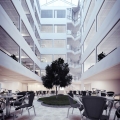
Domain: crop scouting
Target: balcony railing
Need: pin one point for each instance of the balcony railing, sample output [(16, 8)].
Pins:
[(75, 35), (73, 64), (74, 20), (77, 49)]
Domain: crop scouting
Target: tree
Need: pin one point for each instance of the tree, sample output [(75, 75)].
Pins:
[(57, 74)]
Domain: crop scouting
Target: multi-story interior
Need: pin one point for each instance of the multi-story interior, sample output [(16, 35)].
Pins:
[(33, 34)]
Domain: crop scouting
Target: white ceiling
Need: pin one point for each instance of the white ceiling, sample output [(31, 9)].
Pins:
[(10, 76)]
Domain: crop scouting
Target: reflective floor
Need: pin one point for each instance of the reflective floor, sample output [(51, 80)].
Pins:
[(51, 113)]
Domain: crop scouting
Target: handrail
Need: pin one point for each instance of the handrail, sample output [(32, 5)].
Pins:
[(4, 52), (74, 20), (111, 51)]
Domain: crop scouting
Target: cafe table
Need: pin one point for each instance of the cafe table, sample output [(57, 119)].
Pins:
[(7, 97)]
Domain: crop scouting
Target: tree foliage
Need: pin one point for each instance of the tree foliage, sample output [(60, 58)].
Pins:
[(57, 74)]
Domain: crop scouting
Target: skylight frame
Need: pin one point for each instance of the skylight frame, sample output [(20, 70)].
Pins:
[(69, 3)]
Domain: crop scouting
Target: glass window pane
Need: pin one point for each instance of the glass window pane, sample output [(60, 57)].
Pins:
[(8, 46), (59, 56), (46, 29), (110, 42), (90, 61), (59, 43), (59, 28), (60, 14), (46, 14)]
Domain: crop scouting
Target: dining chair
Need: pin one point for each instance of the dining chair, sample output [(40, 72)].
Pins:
[(93, 107), (83, 93), (19, 101), (2, 107), (74, 104), (117, 113), (109, 108), (110, 94), (28, 105)]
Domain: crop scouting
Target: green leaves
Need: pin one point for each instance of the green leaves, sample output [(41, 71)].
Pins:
[(57, 74)]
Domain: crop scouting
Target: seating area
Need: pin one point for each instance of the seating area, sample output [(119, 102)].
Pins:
[(83, 105)]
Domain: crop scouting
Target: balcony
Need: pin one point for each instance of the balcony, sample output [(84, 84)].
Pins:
[(14, 70), (73, 36), (106, 69), (74, 64), (73, 50), (73, 22)]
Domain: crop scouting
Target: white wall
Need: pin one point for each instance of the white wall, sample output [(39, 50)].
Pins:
[(110, 85), (14, 86)]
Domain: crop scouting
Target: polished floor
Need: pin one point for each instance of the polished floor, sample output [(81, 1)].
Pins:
[(51, 113)]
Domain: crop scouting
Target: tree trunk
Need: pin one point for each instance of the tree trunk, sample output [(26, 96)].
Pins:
[(56, 91)]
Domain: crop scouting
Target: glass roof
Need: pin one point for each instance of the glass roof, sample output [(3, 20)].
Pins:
[(57, 3)]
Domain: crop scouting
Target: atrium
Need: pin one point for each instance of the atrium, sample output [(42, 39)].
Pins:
[(85, 33)]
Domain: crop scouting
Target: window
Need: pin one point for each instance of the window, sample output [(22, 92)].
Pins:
[(46, 58), (46, 28), (90, 36), (59, 13), (59, 56), (8, 45), (46, 13), (46, 43), (111, 41), (59, 43), (60, 29), (90, 61), (104, 11), (26, 61)]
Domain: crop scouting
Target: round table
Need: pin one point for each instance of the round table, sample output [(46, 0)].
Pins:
[(7, 97)]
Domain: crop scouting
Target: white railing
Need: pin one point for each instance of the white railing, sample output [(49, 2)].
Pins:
[(75, 35), (74, 49), (73, 64)]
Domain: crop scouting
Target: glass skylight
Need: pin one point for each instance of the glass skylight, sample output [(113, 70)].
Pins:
[(64, 3)]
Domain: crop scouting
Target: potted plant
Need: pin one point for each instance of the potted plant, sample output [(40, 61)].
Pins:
[(101, 56), (14, 57)]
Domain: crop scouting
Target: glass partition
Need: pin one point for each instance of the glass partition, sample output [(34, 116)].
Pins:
[(59, 28), (59, 56), (89, 11), (8, 45), (46, 28), (59, 43), (90, 61), (59, 14), (110, 42), (37, 70), (46, 14), (26, 35), (104, 11), (37, 53), (89, 36), (46, 43), (43, 72), (46, 58), (26, 61)]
